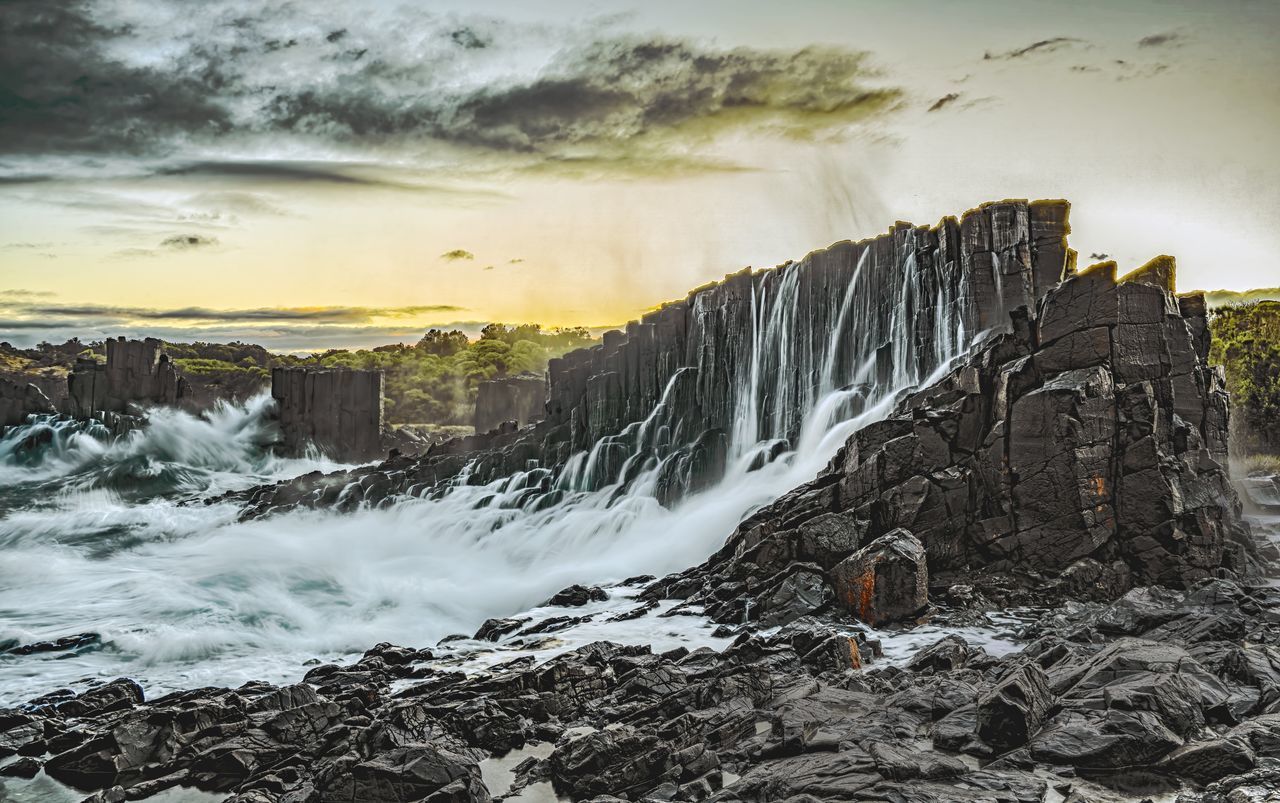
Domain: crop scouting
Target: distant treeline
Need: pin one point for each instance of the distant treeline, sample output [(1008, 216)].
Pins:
[(430, 382), (434, 380)]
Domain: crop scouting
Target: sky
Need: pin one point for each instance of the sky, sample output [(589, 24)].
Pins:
[(316, 174)]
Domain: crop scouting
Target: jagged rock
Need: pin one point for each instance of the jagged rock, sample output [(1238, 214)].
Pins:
[(413, 772), (76, 642), (1040, 465), (25, 767), (885, 581), (947, 653), (1206, 762), (576, 596), (775, 716), (898, 763), (494, 629), (799, 594), (1013, 711)]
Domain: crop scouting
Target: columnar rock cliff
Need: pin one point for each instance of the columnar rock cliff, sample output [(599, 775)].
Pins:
[(137, 372), (742, 361), (21, 399), (522, 399), (339, 411), (1083, 452)]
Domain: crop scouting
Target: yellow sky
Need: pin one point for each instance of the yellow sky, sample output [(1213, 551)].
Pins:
[(1162, 148)]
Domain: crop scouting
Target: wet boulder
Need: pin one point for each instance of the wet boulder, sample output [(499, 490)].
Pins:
[(800, 593), (886, 581), (575, 596), (413, 772), (947, 653), (494, 629), (1209, 761), (1013, 711)]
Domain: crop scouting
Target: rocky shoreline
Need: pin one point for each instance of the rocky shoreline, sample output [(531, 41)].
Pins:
[(1158, 695)]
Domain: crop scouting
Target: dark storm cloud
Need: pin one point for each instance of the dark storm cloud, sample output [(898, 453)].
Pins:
[(1042, 46), (61, 92), (76, 80)]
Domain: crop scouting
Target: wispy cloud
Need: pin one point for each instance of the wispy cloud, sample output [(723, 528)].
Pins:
[(945, 100), (1042, 46), (62, 315), (1163, 39)]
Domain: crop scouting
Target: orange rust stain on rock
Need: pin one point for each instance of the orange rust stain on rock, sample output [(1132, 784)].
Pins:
[(1100, 485), (855, 657), (866, 592)]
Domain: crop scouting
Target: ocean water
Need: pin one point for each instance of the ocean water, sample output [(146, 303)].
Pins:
[(115, 536)]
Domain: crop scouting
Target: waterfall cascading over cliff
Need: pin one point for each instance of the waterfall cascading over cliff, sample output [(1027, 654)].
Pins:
[(756, 366), (657, 443)]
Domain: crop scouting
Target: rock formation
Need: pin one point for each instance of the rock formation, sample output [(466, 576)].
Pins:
[(338, 411), (1083, 452), (136, 373), (743, 360), (1159, 689), (21, 399), (522, 399)]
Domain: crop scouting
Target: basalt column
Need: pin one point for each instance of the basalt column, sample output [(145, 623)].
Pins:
[(137, 372), (338, 411), (522, 399)]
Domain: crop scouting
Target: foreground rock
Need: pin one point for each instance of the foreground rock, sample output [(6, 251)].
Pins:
[(1169, 689)]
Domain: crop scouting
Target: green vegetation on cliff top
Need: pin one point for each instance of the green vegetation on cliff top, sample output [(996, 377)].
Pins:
[(1246, 342)]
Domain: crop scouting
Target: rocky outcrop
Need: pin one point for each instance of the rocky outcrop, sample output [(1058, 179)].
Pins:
[(1081, 453), (885, 581), (744, 359), (1172, 690), (21, 399), (522, 399), (337, 410), (137, 373)]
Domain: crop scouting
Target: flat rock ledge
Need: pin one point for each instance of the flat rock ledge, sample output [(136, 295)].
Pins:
[(1161, 691)]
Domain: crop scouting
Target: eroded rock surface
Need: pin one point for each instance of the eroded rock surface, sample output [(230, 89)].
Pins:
[(1169, 689), (1076, 456)]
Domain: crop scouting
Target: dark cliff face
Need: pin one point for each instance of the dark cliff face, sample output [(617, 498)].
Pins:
[(137, 372), (338, 411), (522, 399), (1081, 453), (734, 371)]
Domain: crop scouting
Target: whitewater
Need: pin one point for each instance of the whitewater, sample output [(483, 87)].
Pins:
[(121, 537)]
